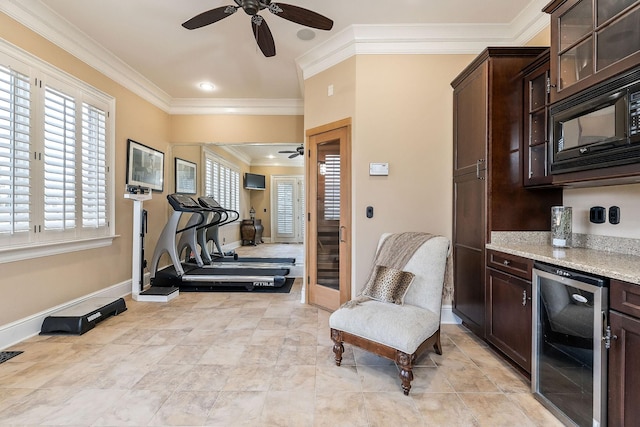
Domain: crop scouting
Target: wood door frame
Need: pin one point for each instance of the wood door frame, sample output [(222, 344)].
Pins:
[(326, 297)]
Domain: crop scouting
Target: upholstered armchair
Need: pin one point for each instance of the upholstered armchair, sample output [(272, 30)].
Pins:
[(397, 315)]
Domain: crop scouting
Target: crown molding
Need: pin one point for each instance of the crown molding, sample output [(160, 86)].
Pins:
[(48, 24), (248, 106), (237, 153), (422, 39)]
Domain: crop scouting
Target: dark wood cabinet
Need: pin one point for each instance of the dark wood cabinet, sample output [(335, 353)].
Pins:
[(251, 231), (591, 41), (536, 140), (508, 310), (624, 369), (487, 174)]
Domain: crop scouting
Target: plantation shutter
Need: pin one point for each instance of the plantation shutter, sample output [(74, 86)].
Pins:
[(15, 115), (285, 207), (222, 182), (332, 187), (94, 170), (59, 161)]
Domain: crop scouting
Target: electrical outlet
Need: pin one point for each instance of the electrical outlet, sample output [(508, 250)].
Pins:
[(597, 215), (614, 215)]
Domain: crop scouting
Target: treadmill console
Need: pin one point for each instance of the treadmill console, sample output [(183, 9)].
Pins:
[(180, 202), (209, 202)]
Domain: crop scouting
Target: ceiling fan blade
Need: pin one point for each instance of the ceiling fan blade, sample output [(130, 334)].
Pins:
[(294, 155), (287, 152), (301, 16), (209, 17), (263, 36)]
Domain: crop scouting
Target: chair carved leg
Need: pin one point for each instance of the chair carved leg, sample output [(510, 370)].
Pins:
[(338, 348), (405, 362), (437, 347)]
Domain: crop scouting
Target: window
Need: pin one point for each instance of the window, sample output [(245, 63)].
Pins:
[(222, 182), (55, 148)]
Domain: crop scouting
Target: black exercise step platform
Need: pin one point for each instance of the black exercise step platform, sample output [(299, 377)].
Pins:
[(82, 317)]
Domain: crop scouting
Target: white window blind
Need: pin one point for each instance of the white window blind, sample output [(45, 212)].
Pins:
[(222, 182), (56, 145), (285, 207), (59, 161), (15, 116), (332, 187), (94, 170)]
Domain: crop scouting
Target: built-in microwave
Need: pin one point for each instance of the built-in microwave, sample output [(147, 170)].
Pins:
[(599, 127)]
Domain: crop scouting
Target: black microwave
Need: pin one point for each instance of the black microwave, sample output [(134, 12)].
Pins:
[(598, 128)]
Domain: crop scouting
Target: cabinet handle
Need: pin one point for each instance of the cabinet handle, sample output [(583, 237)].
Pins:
[(524, 298), (506, 262)]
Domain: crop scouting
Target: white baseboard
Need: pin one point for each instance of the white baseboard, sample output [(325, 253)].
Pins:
[(447, 316), (28, 327)]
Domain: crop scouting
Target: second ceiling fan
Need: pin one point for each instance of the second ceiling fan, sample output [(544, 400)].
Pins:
[(298, 152), (261, 30)]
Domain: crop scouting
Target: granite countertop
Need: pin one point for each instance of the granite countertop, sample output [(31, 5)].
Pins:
[(616, 258)]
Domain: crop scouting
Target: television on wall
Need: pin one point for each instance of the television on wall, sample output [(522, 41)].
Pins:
[(253, 181)]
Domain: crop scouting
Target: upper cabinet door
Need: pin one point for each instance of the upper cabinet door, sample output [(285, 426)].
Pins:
[(591, 41)]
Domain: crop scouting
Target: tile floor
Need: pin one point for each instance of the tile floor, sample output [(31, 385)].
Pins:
[(248, 359)]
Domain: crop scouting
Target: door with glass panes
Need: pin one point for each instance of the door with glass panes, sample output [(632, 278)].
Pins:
[(287, 222)]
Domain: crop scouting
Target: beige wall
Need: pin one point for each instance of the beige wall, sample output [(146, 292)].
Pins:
[(402, 114), (29, 287)]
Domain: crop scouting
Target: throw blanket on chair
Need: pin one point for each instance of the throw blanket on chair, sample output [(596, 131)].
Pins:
[(395, 251)]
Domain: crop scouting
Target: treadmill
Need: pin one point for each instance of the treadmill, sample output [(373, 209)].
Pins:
[(210, 234), (201, 277)]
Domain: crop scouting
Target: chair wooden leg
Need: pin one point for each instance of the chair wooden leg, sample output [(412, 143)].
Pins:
[(338, 348), (405, 362), (437, 347)]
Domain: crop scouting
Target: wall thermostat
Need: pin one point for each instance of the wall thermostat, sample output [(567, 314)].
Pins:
[(378, 168)]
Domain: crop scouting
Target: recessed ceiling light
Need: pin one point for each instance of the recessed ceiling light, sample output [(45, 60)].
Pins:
[(206, 86), (306, 34)]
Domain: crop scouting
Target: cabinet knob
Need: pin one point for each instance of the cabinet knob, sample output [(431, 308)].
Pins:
[(506, 262)]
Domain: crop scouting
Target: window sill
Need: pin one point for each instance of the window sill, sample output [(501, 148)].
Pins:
[(21, 253)]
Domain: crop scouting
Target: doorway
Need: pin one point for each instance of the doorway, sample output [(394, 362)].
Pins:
[(329, 214), (287, 206)]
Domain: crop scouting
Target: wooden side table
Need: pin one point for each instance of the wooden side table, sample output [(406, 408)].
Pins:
[(251, 231)]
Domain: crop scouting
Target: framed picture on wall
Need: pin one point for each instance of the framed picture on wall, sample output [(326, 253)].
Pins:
[(185, 176), (145, 166)]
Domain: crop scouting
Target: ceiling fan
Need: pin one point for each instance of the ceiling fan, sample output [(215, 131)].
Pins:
[(261, 30), (298, 152)]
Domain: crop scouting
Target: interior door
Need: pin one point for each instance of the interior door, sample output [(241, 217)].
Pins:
[(288, 197), (329, 215)]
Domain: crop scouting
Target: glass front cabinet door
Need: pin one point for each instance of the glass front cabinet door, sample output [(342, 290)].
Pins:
[(591, 40)]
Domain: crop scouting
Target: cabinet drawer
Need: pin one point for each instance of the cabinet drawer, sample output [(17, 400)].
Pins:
[(625, 297), (512, 264)]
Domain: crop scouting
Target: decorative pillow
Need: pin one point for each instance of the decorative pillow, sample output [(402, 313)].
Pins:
[(388, 285)]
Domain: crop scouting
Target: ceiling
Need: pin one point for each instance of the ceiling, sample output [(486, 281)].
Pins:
[(142, 45)]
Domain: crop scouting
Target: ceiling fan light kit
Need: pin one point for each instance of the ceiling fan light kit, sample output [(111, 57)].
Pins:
[(261, 30)]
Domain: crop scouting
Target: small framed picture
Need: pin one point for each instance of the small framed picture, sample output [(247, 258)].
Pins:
[(185, 177), (145, 166)]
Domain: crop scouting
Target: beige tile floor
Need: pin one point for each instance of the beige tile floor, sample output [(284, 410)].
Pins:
[(248, 359)]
